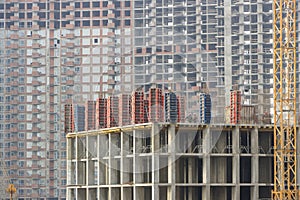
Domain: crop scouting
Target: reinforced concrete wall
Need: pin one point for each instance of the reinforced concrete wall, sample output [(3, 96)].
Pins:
[(171, 161)]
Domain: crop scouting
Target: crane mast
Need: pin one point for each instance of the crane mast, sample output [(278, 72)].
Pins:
[(284, 94)]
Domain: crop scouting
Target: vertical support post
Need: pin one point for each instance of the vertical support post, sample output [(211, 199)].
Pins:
[(255, 163), (171, 162), (236, 162), (155, 160), (206, 163)]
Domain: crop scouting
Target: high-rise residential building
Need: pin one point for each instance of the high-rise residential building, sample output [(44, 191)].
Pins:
[(236, 42), (237, 46), (54, 53)]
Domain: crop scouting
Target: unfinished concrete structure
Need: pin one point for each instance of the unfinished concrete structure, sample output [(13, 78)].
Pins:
[(171, 161)]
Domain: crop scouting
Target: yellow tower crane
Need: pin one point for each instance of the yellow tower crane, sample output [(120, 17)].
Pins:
[(284, 87)]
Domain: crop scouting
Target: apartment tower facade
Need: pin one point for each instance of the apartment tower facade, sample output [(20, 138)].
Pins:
[(58, 52)]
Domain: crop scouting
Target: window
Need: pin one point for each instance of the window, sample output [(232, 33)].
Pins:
[(29, 5), (21, 107), (86, 4), (21, 145), (86, 23), (64, 182), (77, 23), (77, 4), (86, 13), (42, 5), (21, 15), (21, 6), (127, 22), (77, 14), (21, 135), (96, 22), (127, 12), (96, 13), (117, 4), (104, 4), (21, 126), (96, 4), (127, 4), (21, 154)]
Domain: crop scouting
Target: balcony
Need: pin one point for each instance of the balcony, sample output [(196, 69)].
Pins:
[(36, 102), (70, 17), (14, 36), (35, 64), (36, 55), (70, 45), (35, 36), (70, 36), (14, 74), (36, 129), (70, 82), (13, 46), (70, 73), (35, 8), (35, 18), (36, 92), (69, 63), (36, 46), (69, 54), (70, 26)]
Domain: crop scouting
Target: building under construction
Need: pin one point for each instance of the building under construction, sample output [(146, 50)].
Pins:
[(170, 156), (182, 161)]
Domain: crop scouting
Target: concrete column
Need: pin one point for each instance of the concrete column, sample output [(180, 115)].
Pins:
[(122, 173), (236, 163), (254, 163), (109, 167), (103, 152), (91, 194), (155, 160), (227, 50), (191, 173), (206, 164), (70, 142), (137, 166), (171, 162)]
